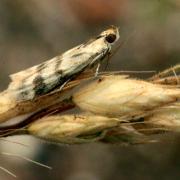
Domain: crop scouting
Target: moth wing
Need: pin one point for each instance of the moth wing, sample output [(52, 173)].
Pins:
[(23, 74), (17, 78)]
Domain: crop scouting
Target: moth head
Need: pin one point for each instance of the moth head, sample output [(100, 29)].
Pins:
[(111, 35)]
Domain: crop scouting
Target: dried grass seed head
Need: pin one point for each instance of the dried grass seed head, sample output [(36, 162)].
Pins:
[(118, 96)]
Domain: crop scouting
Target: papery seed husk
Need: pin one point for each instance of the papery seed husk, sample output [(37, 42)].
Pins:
[(118, 96), (68, 128), (167, 117)]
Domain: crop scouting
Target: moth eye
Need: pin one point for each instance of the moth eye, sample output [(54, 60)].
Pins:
[(111, 38)]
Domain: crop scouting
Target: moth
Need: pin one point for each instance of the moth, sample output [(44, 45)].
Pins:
[(55, 73)]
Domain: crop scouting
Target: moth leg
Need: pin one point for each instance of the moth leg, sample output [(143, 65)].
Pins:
[(62, 86), (97, 69)]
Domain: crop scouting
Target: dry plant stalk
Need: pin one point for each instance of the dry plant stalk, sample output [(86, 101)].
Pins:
[(112, 108)]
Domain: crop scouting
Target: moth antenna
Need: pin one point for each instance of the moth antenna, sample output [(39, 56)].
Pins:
[(27, 159), (8, 172), (122, 43)]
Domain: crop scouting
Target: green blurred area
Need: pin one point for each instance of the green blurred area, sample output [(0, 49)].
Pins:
[(33, 31)]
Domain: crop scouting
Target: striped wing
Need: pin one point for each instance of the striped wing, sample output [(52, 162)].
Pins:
[(43, 78)]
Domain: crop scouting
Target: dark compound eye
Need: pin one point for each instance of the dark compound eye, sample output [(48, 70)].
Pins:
[(111, 38)]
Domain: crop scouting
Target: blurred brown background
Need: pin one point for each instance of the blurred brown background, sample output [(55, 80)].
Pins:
[(33, 31)]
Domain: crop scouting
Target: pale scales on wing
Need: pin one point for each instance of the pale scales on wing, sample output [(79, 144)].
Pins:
[(43, 78)]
